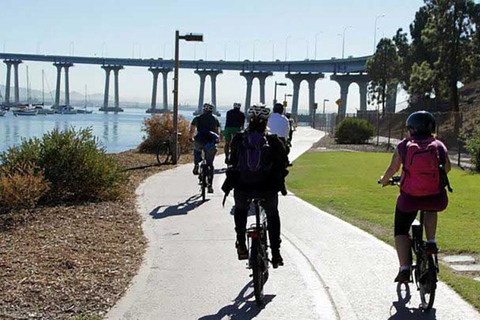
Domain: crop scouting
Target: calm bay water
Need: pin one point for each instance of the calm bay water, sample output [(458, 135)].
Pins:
[(117, 132)]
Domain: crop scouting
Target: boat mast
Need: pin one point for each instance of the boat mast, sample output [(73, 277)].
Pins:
[(28, 92), (43, 87)]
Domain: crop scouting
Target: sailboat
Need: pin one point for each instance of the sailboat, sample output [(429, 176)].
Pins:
[(41, 107), (84, 110)]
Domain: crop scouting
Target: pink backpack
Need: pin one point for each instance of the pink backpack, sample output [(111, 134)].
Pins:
[(421, 163)]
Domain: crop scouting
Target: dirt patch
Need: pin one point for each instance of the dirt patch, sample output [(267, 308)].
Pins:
[(60, 262)]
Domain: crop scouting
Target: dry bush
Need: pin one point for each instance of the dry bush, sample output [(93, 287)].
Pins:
[(21, 187), (160, 127)]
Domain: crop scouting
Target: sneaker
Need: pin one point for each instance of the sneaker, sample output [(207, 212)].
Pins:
[(242, 250), (277, 260), (432, 248), (403, 276), (210, 189), (195, 170)]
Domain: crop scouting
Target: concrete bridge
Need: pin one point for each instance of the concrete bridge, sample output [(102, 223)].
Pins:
[(345, 72)]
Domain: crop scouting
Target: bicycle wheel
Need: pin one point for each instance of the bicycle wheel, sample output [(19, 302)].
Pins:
[(427, 281), (163, 153), (257, 272)]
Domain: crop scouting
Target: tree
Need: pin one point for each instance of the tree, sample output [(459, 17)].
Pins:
[(448, 32), (384, 70), (421, 82)]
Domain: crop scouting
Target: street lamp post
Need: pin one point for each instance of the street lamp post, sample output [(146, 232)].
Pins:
[(254, 45), (375, 31), (275, 91), (316, 35), (178, 37), (324, 116), (343, 40), (286, 47)]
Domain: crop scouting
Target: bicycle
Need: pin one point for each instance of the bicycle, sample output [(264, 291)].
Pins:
[(165, 151), (258, 251), (203, 174), (426, 268)]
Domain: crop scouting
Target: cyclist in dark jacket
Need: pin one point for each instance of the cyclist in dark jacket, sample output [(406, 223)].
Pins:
[(206, 128), (234, 124), (258, 169)]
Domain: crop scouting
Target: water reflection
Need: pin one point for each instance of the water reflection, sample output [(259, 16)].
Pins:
[(117, 132)]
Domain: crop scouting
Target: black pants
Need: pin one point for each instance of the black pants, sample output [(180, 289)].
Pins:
[(269, 203)]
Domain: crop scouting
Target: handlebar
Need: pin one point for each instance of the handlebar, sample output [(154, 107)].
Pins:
[(394, 181)]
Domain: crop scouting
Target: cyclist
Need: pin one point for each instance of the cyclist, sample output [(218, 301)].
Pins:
[(234, 124), (425, 164), (279, 124), (207, 128), (258, 169)]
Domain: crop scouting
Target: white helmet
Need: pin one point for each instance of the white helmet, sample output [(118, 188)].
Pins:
[(237, 105), (208, 107), (259, 111)]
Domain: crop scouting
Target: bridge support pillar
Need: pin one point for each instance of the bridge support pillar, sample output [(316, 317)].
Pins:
[(165, 88), (66, 66), (213, 79), (391, 103), (202, 74), (116, 70), (7, 81), (59, 66), (297, 79), (107, 69), (249, 76), (363, 95), (155, 72), (57, 86), (345, 81), (17, 86)]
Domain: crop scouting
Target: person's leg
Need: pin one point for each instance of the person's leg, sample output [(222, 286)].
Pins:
[(242, 205), (197, 155), (403, 221), (210, 157), (270, 204), (431, 218)]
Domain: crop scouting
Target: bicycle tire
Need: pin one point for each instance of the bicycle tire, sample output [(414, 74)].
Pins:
[(203, 183), (427, 282), (163, 153), (257, 272)]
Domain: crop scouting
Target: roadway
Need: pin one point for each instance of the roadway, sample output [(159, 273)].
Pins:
[(332, 270)]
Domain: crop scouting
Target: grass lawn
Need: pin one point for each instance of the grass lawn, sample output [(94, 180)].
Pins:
[(345, 184)]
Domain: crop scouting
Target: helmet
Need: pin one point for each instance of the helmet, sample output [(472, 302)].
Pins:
[(278, 108), (207, 107), (421, 122), (237, 105), (259, 111)]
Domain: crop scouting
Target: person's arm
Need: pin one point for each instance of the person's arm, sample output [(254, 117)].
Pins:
[(192, 131), (287, 128), (448, 164), (392, 169)]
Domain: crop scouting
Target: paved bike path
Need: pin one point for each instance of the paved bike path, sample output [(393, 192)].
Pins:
[(333, 270)]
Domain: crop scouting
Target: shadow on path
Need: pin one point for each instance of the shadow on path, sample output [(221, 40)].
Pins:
[(243, 307), (185, 207), (401, 311)]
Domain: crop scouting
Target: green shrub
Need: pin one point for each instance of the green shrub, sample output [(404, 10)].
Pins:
[(160, 127), (21, 187), (74, 164), (353, 131), (473, 147)]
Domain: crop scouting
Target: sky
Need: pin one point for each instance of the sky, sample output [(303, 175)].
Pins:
[(270, 29)]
